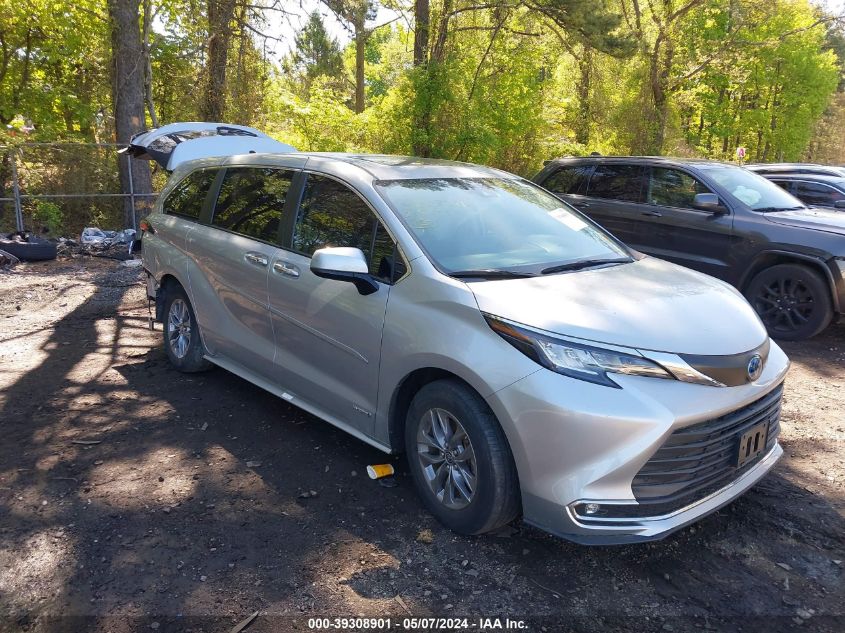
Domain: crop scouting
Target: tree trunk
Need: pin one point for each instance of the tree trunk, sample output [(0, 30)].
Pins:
[(422, 21), (582, 122), (360, 44), (220, 14), (660, 68), (148, 62), (25, 73), (421, 120), (127, 79)]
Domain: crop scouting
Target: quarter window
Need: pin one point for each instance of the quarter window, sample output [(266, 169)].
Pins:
[(568, 180), (673, 188), (817, 194), (187, 197), (251, 202), (331, 214), (616, 182)]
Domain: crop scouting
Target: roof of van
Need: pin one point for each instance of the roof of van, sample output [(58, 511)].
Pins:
[(378, 166)]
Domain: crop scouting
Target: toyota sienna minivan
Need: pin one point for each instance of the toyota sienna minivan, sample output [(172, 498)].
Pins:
[(526, 361)]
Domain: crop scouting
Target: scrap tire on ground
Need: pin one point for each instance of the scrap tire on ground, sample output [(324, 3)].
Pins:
[(32, 251), (7, 259)]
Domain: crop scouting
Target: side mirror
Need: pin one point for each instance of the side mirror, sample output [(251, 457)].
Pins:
[(839, 204), (344, 264), (708, 202)]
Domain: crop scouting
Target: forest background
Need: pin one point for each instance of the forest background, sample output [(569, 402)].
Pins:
[(507, 83)]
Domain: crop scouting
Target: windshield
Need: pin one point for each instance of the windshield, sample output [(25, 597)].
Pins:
[(467, 224), (756, 192)]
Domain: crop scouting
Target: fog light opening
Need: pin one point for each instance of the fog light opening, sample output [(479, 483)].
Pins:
[(591, 508)]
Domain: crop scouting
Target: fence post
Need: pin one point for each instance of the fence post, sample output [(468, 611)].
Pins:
[(131, 189), (17, 193)]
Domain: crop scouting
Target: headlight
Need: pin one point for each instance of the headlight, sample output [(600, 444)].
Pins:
[(584, 362)]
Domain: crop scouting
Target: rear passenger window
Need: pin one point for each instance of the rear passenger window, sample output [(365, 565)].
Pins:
[(568, 180), (187, 197), (331, 214), (673, 188), (817, 194), (616, 182), (251, 201)]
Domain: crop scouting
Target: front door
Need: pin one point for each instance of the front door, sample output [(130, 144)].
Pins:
[(675, 230), (328, 336)]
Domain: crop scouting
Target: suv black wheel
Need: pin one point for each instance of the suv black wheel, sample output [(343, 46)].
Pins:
[(793, 301), (181, 335), (460, 459)]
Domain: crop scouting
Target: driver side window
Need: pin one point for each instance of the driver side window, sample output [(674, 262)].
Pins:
[(673, 188), (331, 214)]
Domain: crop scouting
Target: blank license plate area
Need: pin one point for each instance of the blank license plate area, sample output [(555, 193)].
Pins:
[(752, 443)]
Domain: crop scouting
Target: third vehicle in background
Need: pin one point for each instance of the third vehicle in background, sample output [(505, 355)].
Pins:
[(771, 169), (787, 259), (814, 190)]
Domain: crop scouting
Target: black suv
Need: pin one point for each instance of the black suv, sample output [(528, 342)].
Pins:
[(720, 219)]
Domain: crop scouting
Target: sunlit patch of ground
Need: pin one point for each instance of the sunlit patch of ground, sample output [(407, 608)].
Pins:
[(34, 572)]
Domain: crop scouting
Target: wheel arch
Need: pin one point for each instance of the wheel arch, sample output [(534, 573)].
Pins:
[(404, 393), (167, 281), (767, 259)]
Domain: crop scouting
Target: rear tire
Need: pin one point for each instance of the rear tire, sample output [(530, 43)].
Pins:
[(460, 460), (182, 342), (793, 301)]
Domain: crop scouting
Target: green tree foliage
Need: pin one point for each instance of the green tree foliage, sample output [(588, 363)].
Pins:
[(503, 82), (315, 54), (54, 66)]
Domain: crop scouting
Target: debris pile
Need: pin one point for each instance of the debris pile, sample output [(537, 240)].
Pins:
[(99, 243)]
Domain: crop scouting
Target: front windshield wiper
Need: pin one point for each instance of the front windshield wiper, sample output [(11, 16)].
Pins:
[(584, 263), (771, 209), (490, 273)]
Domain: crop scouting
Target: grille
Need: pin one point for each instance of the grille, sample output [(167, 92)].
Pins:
[(700, 459)]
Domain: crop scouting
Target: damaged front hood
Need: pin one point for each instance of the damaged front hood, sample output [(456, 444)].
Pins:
[(649, 304)]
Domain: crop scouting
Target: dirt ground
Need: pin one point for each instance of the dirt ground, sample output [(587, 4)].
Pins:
[(133, 497)]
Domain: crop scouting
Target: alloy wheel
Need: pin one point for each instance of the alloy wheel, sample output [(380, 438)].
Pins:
[(785, 304), (179, 328), (447, 458)]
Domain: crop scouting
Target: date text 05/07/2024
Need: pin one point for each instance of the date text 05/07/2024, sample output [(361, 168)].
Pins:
[(375, 625)]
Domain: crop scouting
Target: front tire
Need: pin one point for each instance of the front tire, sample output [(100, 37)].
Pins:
[(460, 460), (793, 301), (182, 342)]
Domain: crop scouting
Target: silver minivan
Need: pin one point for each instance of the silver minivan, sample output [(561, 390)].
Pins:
[(526, 361)]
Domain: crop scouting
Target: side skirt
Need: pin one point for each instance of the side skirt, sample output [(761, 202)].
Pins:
[(240, 371)]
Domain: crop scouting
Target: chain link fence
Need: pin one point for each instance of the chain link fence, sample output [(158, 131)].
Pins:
[(58, 189)]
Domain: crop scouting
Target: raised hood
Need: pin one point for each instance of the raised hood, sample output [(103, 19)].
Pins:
[(812, 218), (648, 304), (173, 144)]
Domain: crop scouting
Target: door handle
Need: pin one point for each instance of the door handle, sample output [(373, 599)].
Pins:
[(286, 268), (653, 214), (581, 205), (256, 258)]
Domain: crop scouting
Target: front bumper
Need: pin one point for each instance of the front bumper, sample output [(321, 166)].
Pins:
[(575, 443), (639, 529)]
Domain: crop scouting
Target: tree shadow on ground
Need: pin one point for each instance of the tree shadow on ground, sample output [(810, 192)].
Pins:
[(163, 520)]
